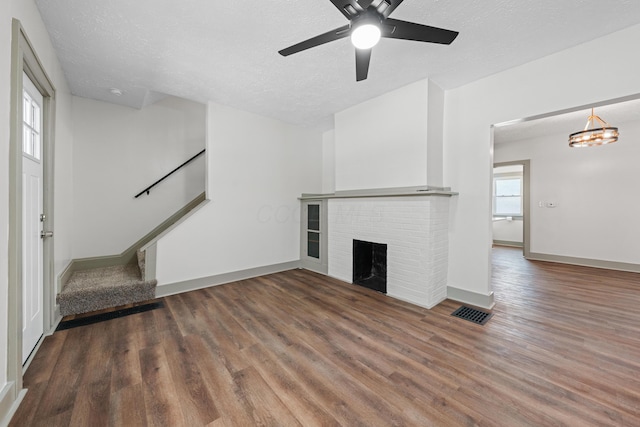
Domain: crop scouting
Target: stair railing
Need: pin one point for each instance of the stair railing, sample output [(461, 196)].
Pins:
[(148, 189)]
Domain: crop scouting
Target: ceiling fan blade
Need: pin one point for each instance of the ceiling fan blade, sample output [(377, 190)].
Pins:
[(327, 37), (363, 57), (396, 29), (349, 8)]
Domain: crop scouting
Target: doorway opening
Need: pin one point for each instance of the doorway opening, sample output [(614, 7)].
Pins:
[(510, 204), (24, 61)]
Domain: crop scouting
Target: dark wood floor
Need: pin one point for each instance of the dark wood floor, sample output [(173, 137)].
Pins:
[(297, 348)]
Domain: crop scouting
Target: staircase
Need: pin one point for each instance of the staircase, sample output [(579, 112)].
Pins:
[(105, 287), (111, 281)]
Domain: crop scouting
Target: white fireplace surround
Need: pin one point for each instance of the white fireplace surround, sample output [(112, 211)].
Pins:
[(415, 229)]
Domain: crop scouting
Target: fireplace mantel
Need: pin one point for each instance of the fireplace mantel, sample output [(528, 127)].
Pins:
[(383, 192)]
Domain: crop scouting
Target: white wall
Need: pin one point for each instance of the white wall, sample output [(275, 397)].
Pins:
[(511, 231), (594, 189), (258, 167), (382, 142), (328, 162), (435, 130), (26, 12), (550, 84), (119, 151), (64, 183)]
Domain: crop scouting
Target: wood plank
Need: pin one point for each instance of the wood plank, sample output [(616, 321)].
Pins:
[(259, 400), (128, 407), (125, 371), (198, 407), (62, 419), (92, 404), (161, 400), (219, 382), (99, 359)]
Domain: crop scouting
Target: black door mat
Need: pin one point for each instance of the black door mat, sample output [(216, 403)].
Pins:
[(472, 315), (90, 320)]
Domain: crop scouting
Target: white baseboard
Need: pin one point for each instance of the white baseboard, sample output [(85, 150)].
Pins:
[(9, 406), (57, 318), (6, 400), (219, 279), (585, 262), (508, 243), (472, 298)]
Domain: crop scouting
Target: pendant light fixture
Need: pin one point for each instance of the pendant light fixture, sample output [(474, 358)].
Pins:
[(592, 136)]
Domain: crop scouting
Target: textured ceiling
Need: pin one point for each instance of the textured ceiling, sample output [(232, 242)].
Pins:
[(227, 51)]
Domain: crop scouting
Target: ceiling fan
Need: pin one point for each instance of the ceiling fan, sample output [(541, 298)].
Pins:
[(368, 21)]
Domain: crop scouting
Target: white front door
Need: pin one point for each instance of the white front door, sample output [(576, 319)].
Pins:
[(32, 219)]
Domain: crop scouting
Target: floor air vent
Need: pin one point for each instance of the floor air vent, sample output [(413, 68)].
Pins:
[(472, 315)]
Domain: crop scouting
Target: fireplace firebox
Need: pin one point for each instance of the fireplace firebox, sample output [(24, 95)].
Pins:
[(370, 265)]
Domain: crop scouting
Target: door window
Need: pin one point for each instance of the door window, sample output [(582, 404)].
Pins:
[(31, 141)]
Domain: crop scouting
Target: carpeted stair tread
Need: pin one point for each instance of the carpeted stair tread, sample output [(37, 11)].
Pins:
[(105, 287), (104, 276)]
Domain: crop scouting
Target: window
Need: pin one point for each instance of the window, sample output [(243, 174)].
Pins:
[(507, 195), (31, 140)]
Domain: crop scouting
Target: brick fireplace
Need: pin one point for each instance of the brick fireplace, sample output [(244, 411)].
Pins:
[(415, 231)]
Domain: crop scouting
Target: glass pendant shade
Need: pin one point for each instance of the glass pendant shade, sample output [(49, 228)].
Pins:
[(365, 36), (594, 135)]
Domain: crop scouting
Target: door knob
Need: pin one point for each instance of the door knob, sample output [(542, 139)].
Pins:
[(44, 234)]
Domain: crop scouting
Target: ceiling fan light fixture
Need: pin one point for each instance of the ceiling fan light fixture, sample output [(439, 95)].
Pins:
[(365, 36), (592, 136), (368, 22)]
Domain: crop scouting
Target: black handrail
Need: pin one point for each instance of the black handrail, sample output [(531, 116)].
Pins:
[(146, 190)]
